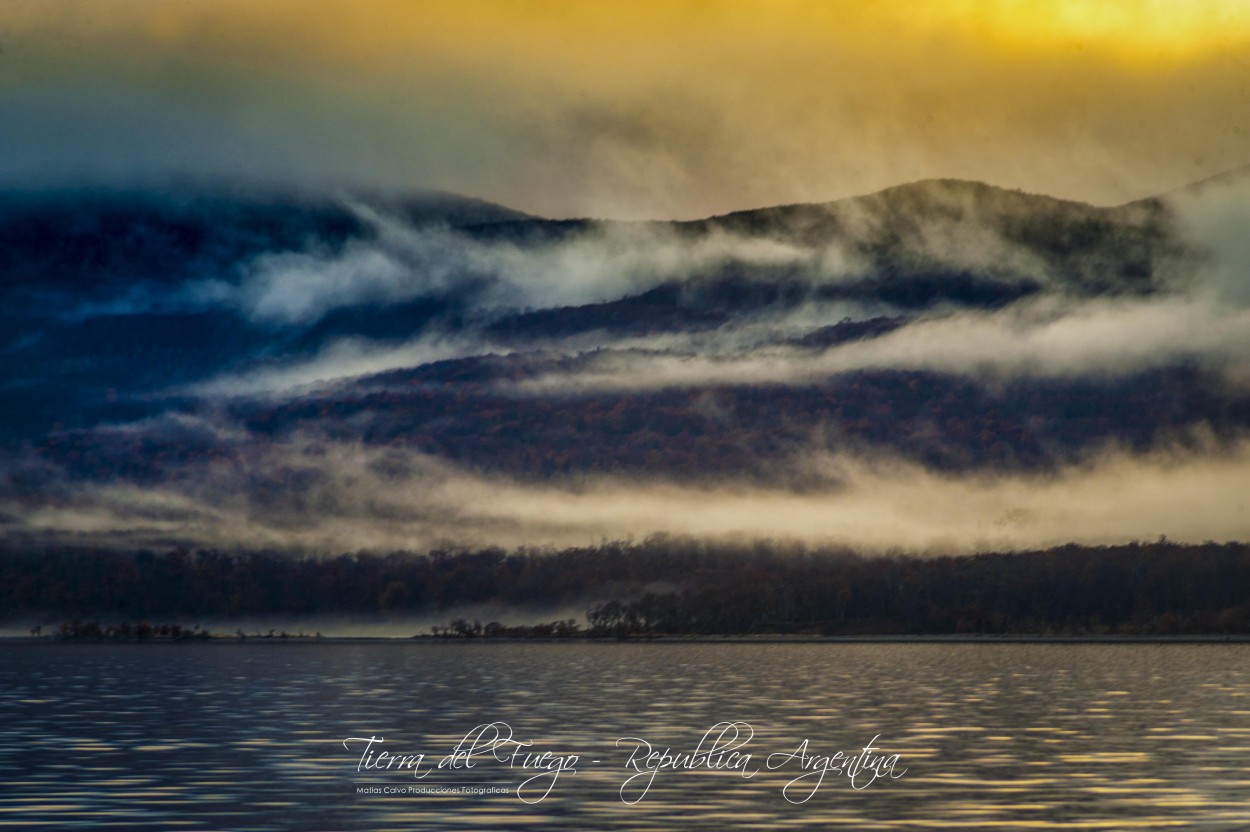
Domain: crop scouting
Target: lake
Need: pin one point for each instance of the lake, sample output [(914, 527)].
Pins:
[(252, 735)]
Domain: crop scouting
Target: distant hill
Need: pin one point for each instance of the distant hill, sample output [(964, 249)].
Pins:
[(952, 324)]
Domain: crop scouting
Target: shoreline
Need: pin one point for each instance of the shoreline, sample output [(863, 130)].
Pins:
[(658, 640)]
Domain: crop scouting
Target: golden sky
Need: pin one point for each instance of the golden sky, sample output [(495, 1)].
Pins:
[(630, 108)]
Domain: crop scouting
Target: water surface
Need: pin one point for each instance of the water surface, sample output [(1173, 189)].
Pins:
[(995, 736)]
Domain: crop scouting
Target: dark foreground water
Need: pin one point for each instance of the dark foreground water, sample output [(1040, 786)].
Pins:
[(250, 736)]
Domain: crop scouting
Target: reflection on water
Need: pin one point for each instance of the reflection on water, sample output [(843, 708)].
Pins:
[(248, 736)]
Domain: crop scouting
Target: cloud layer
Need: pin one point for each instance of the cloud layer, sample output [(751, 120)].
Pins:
[(837, 372), (1078, 315), (308, 496), (605, 110)]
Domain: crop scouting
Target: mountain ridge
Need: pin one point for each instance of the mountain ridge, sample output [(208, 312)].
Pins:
[(307, 359)]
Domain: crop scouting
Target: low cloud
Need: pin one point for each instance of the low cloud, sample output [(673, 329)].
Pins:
[(1199, 314), (343, 359), (1195, 310), (1044, 339), (310, 496), (1215, 215), (314, 494), (401, 262)]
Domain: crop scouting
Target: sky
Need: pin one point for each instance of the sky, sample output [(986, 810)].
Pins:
[(628, 108)]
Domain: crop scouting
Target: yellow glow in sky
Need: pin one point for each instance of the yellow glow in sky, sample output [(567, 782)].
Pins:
[(635, 107), (363, 32), (1170, 25)]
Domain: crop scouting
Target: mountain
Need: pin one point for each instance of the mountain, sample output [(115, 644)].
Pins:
[(186, 342)]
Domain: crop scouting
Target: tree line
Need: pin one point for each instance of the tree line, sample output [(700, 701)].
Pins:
[(667, 585)]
